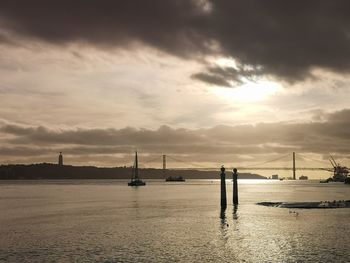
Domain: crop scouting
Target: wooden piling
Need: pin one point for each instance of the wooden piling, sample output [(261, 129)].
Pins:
[(235, 187), (223, 188)]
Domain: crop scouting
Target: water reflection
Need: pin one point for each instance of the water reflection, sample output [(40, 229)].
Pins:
[(141, 229), (223, 222), (135, 203), (223, 215), (234, 214)]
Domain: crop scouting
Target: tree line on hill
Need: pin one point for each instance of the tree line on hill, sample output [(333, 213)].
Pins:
[(57, 172)]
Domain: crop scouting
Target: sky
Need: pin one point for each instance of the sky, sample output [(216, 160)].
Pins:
[(208, 82)]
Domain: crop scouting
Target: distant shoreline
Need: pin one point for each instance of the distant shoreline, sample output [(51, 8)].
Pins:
[(48, 171)]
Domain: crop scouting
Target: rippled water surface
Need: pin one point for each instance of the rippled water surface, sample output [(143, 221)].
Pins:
[(107, 221)]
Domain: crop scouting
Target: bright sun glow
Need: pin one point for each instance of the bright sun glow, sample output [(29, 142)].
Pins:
[(226, 62), (249, 92)]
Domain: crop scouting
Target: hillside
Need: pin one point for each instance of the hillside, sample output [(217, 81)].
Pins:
[(54, 171)]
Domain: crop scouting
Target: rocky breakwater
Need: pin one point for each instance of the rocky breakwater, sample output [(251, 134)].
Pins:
[(309, 205)]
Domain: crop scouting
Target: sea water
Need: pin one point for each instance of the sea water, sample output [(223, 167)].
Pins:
[(107, 221)]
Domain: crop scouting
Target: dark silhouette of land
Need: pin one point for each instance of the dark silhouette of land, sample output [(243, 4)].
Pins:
[(54, 171), (309, 205)]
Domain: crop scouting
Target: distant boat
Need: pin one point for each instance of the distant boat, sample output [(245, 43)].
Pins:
[(274, 177), (303, 177), (135, 180), (175, 179)]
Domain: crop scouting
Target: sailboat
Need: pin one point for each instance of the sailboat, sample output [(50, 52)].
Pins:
[(135, 180)]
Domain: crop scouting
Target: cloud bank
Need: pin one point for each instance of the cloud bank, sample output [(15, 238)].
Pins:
[(217, 144), (286, 39)]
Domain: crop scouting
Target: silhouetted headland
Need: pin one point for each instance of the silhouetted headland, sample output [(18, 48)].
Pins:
[(54, 171), (309, 205)]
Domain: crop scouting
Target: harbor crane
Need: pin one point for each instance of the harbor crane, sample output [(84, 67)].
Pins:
[(340, 172)]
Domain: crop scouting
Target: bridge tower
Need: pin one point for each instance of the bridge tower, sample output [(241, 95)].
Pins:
[(164, 164), (294, 166)]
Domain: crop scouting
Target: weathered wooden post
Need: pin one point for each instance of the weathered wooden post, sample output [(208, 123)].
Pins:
[(223, 188), (235, 187)]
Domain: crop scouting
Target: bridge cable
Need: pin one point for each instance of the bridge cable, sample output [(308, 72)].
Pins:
[(311, 159), (186, 162), (270, 161), (152, 159)]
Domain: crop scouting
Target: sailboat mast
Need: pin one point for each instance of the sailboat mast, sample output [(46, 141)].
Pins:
[(133, 172), (136, 167)]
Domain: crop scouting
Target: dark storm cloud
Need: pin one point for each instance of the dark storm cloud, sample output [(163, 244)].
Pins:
[(285, 38), (227, 76), (160, 23), (216, 80), (6, 40), (126, 136), (329, 136), (23, 151)]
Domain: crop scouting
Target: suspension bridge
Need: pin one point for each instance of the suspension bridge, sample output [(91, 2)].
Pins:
[(292, 158)]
